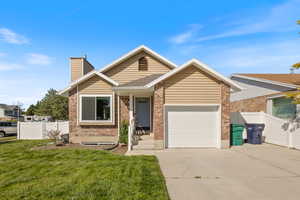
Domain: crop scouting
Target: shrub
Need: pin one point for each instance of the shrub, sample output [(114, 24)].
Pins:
[(124, 132), (55, 135)]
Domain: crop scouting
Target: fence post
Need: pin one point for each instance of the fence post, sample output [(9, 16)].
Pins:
[(57, 124), (290, 135), (44, 130), (18, 130)]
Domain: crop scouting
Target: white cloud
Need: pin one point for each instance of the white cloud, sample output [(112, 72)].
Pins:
[(9, 36), (181, 38), (38, 59), (23, 100), (10, 66), (185, 36), (26, 101), (267, 56), (3, 97), (2, 54), (27, 91), (279, 18)]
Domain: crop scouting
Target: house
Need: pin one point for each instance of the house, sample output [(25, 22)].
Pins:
[(8, 112), (37, 118), (184, 106), (265, 92)]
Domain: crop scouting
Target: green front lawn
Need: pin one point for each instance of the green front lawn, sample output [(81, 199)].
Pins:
[(7, 138), (76, 174)]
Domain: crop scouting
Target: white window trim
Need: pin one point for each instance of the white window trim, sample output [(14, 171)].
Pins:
[(97, 95)]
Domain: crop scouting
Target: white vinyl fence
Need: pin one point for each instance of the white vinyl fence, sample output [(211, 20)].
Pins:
[(277, 131), (39, 130)]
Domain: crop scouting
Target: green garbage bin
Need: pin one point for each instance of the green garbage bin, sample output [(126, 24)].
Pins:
[(236, 134)]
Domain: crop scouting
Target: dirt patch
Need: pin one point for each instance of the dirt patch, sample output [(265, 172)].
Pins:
[(118, 150), (121, 149)]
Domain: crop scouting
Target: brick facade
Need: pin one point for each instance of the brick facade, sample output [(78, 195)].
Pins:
[(80, 133), (124, 108), (158, 118), (88, 133), (255, 104), (225, 115)]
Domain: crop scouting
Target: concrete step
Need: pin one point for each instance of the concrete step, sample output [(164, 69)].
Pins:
[(143, 147), (145, 142)]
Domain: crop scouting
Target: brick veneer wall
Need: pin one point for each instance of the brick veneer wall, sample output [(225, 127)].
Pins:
[(158, 118), (255, 104), (225, 115), (89, 133), (124, 108)]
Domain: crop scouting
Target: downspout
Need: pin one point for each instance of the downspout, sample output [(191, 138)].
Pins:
[(118, 141), (130, 131), (77, 104)]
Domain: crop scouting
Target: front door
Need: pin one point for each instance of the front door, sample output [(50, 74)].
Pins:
[(142, 111)]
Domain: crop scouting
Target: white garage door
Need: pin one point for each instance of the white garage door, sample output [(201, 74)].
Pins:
[(191, 126)]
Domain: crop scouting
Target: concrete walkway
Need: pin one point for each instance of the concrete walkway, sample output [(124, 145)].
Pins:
[(265, 172)]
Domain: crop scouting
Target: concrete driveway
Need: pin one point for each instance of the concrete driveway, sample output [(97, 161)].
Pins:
[(246, 172)]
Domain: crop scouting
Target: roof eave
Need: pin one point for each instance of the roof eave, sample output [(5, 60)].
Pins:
[(85, 77), (133, 88), (292, 86), (135, 51), (235, 87)]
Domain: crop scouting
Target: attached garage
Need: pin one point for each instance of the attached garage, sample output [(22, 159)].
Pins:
[(192, 126), (195, 102)]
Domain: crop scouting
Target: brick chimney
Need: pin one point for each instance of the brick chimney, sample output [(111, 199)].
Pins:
[(79, 67)]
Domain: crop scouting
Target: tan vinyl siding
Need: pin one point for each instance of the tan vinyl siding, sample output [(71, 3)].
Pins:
[(95, 85), (87, 67), (76, 68), (128, 70), (192, 86)]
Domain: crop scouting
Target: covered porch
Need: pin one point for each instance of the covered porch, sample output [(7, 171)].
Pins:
[(140, 112)]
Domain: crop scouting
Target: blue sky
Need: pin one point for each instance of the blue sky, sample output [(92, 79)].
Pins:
[(38, 37)]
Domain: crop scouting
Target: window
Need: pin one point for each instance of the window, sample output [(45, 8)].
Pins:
[(143, 64), (8, 113), (283, 108), (5, 124), (96, 108)]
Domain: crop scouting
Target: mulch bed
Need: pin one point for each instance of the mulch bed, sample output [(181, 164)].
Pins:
[(121, 149)]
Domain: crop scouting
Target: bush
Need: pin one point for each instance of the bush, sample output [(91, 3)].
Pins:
[(124, 132), (55, 135)]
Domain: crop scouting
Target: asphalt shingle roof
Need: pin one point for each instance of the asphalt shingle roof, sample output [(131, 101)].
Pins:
[(142, 81), (283, 78)]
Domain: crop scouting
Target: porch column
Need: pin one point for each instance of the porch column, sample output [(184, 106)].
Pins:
[(131, 121)]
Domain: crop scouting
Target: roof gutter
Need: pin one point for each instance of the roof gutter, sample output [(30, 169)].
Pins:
[(133, 88), (292, 86), (85, 77)]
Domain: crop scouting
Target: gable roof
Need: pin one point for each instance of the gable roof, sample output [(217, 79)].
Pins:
[(141, 82), (85, 77), (201, 66), (116, 62), (285, 80), (136, 51), (9, 107)]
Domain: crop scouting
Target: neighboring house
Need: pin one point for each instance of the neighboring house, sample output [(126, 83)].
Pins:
[(185, 106), (9, 111), (37, 118), (265, 92)]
